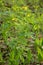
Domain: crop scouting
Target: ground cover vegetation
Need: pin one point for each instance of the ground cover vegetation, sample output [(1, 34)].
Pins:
[(21, 32)]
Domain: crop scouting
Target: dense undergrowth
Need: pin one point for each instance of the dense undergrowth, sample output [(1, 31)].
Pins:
[(21, 32)]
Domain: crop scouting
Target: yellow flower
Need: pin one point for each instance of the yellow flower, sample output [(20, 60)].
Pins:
[(28, 15), (25, 7)]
